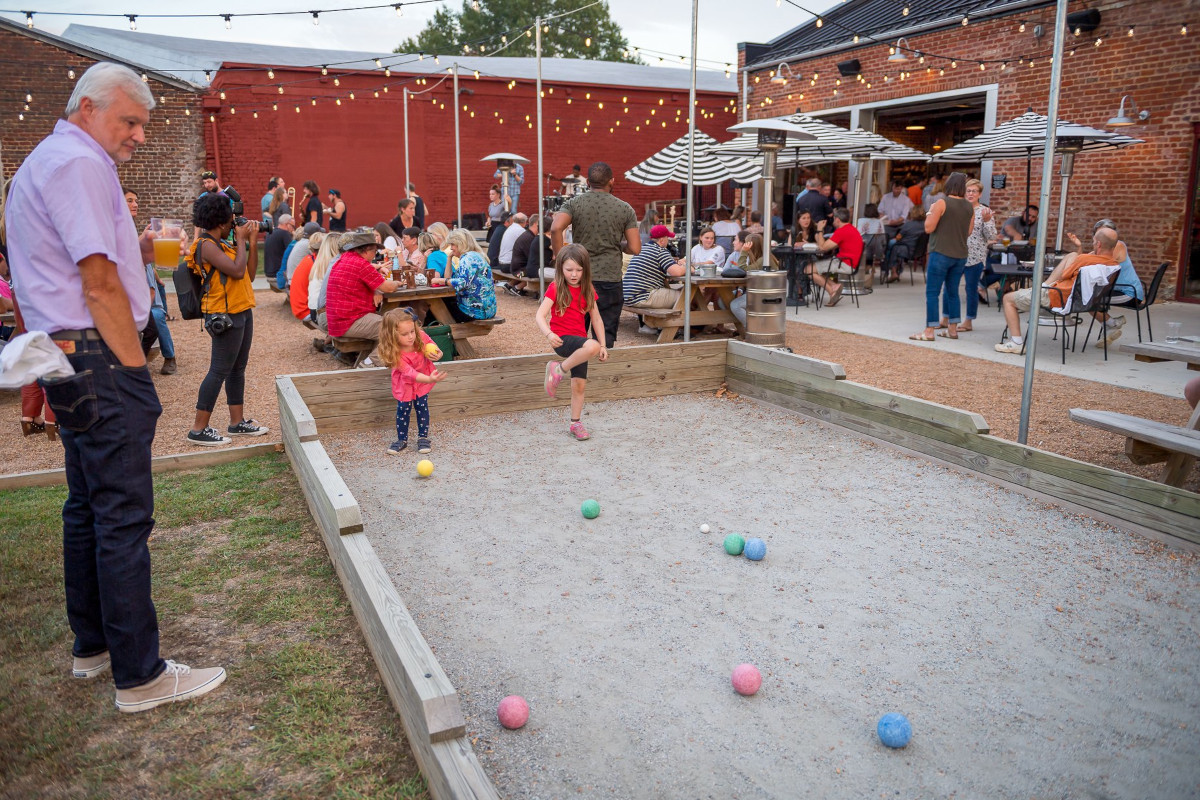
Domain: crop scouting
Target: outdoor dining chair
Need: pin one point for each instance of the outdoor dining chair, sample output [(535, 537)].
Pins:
[(917, 258), (1139, 306), (1067, 316)]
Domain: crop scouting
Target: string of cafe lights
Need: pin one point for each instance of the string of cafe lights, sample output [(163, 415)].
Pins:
[(225, 93), (921, 56)]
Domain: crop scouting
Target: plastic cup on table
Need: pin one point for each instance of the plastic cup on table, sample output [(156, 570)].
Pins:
[(1173, 331)]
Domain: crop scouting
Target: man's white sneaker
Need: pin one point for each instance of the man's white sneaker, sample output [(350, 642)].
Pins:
[(1011, 347), (177, 682), (648, 330), (91, 666), (1111, 334)]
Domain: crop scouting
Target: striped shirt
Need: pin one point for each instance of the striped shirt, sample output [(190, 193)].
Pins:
[(647, 272)]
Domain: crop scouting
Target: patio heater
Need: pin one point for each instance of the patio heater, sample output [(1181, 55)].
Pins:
[(772, 137), (505, 163), (1067, 147)]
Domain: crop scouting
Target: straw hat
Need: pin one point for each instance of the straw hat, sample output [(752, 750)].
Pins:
[(357, 239)]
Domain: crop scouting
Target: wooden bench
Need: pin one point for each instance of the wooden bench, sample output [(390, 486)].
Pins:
[(359, 348), (1148, 441)]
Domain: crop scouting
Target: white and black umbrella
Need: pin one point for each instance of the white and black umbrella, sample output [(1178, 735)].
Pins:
[(825, 141), (671, 164), (1025, 137)]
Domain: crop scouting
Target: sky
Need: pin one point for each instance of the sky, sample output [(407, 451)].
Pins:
[(668, 28)]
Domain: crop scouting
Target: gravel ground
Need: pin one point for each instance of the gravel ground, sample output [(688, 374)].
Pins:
[(283, 346), (1037, 653)]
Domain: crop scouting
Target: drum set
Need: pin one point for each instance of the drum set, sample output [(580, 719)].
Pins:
[(554, 202)]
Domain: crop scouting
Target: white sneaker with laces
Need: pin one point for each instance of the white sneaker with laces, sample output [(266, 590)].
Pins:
[(1110, 335), (1011, 347), (177, 682)]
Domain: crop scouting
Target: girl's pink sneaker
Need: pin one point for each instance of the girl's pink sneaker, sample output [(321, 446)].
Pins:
[(553, 376), (579, 432)]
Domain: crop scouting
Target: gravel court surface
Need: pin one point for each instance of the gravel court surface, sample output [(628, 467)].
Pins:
[(1036, 653)]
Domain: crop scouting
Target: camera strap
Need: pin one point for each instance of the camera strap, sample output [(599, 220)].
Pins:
[(208, 275)]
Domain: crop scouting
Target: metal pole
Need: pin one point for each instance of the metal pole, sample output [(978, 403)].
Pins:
[(1060, 24), (1066, 170), (768, 191), (537, 40), (691, 200), (457, 155), (746, 117), (406, 177)]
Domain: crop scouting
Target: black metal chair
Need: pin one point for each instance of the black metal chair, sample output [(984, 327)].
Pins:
[(917, 258), (1098, 304), (1144, 304)]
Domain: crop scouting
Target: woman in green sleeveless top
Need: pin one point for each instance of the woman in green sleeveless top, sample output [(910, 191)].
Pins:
[(948, 224)]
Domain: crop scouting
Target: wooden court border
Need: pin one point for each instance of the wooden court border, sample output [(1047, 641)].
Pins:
[(314, 404)]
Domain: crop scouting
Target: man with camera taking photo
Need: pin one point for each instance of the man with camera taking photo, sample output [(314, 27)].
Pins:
[(226, 273)]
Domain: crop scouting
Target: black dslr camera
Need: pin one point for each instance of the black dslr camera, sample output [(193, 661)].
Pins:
[(217, 324), (239, 208)]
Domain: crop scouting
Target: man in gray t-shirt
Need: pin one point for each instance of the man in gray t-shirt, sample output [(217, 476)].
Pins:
[(599, 222)]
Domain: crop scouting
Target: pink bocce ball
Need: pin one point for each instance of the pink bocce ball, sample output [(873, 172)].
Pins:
[(513, 712), (746, 679)]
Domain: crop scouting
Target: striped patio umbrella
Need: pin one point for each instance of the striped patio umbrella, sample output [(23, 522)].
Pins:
[(1025, 137), (671, 164), (828, 142)]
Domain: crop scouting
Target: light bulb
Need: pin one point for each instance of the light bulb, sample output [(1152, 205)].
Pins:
[(222, 95), (71, 74), (904, 12), (324, 70), (316, 18), (1130, 31), (587, 42), (1183, 29), (965, 21), (388, 72), (29, 19), (270, 74), (133, 22), (281, 90), (28, 98), (820, 22), (399, 9), (256, 115), (232, 110), (1021, 28), (228, 21), (337, 81), (378, 64)]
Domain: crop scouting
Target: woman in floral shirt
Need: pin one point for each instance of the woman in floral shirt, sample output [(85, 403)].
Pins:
[(471, 278)]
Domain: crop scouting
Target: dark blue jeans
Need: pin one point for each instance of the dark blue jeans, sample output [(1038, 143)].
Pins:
[(971, 276), (942, 272), (107, 414)]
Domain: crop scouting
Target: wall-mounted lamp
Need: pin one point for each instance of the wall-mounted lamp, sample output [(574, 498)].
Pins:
[(897, 55), (1121, 120), (779, 80), (848, 69)]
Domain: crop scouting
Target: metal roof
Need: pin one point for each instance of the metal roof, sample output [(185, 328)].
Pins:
[(189, 58), (99, 54), (881, 20)]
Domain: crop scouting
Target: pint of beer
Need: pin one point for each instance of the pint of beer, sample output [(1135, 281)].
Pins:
[(167, 235)]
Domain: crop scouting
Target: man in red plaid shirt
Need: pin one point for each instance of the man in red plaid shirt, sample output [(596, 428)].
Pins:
[(355, 289)]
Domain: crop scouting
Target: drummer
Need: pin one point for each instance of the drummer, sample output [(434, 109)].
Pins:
[(574, 183)]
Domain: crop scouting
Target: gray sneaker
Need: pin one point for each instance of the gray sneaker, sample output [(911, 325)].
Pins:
[(1110, 335), (177, 682), (91, 666)]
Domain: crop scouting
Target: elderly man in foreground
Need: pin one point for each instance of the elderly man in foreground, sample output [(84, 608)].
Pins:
[(1057, 288), (78, 260)]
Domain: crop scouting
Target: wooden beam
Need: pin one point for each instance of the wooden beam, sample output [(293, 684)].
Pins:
[(169, 463), (812, 366), (293, 412), (429, 707), (346, 400), (1142, 454)]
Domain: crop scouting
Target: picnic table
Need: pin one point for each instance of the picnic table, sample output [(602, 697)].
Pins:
[(436, 297), (1148, 441), (670, 320)]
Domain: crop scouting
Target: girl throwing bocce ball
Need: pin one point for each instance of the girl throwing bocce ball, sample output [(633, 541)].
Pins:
[(409, 352), (563, 316)]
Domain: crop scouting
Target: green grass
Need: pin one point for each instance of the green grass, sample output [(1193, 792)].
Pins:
[(240, 579)]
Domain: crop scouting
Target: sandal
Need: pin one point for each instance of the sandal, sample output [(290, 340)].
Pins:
[(947, 335), (921, 337), (29, 427), (834, 298)]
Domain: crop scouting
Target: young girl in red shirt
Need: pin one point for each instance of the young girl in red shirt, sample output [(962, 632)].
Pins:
[(408, 351), (569, 304)]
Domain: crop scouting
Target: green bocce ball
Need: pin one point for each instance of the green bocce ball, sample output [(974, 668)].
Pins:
[(734, 544), (590, 509)]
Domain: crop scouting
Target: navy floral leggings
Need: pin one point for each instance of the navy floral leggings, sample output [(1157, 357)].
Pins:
[(404, 410)]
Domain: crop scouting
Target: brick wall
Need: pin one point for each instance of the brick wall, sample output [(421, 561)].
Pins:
[(1143, 188), (358, 147), (162, 170)]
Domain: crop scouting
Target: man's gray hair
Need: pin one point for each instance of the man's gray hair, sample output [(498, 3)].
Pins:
[(284, 219), (519, 218), (813, 183), (103, 80)]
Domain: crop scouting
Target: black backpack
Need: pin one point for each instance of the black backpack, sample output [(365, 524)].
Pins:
[(190, 290)]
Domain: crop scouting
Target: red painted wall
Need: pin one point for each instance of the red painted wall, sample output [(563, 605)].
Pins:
[(1143, 188), (358, 146)]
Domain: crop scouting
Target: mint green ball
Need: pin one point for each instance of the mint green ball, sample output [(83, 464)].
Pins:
[(734, 544), (590, 509)]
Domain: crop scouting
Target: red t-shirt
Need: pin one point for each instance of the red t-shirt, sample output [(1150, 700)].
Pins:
[(573, 320), (350, 294), (850, 244)]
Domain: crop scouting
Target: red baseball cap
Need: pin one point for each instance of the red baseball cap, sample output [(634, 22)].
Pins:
[(659, 231)]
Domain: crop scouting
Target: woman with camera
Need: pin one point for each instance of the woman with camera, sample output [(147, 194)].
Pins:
[(226, 273)]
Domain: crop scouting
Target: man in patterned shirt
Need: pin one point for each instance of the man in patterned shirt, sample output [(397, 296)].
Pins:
[(645, 283), (599, 222)]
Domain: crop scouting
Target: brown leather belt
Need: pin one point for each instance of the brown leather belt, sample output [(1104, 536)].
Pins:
[(79, 335)]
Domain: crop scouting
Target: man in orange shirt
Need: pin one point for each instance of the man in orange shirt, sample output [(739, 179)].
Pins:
[(1057, 288), (915, 190)]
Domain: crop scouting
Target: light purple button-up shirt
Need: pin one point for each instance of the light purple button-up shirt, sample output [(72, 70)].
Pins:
[(66, 204)]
